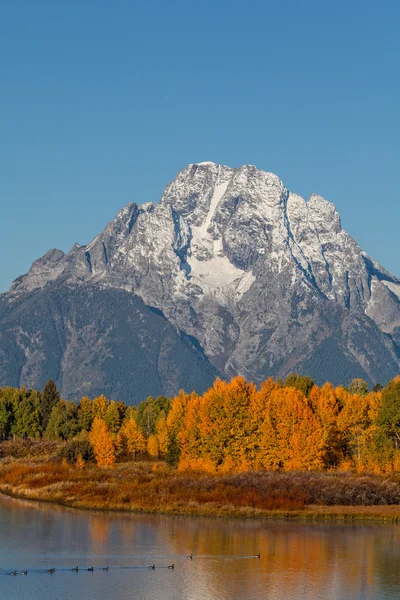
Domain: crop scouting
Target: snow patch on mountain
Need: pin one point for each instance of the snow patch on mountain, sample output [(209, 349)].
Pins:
[(220, 277), (200, 235), (210, 268)]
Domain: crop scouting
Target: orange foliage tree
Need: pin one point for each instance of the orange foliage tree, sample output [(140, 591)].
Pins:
[(292, 433), (162, 435), (152, 446), (175, 420), (326, 406), (102, 443), (233, 427), (130, 439)]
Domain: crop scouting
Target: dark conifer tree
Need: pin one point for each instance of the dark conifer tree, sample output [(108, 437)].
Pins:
[(377, 387), (50, 397)]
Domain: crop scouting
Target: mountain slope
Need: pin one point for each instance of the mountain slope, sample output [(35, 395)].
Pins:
[(94, 341), (266, 282)]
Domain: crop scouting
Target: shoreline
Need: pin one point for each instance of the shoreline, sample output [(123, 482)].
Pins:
[(384, 514)]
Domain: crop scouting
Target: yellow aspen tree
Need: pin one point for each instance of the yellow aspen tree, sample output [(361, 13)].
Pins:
[(256, 415), (307, 444), (100, 406), (102, 442), (120, 443), (177, 414), (299, 435), (227, 424), (162, 436), (175, 423), (80, 463), (152, 446), (131, 437), (325, 405), (217, 430), (190, 438), (378, 454), (354, 422), (269, 452), (396, 461), (374, 402)]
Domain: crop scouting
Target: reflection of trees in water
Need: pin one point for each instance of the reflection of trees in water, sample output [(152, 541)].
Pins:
[(99, 530), (297, 560)]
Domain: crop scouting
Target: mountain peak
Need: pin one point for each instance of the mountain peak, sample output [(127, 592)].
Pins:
[(324, 213), (264, 281)]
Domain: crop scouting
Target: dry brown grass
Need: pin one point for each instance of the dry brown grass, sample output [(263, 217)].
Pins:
[(142, 487), (155, 487)]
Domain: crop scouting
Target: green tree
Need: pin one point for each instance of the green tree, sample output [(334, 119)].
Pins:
[(50, 397), (85, 414), (358, 386), (130, 439), (175, 421), (300, 382), (6, 418), (377, 387), (122, 408), (80, 446), (28, 417), (389, 415), (148, 413), (99, 406), (130, 413), (63, 423), (113, 417)]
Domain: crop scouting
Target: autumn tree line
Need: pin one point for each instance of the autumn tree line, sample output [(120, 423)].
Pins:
[(234, 426)]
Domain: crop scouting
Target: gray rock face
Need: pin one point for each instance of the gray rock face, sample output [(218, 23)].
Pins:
[(95, 341), (266, 282)]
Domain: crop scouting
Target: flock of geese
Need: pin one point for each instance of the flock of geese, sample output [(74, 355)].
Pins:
[(76, 569)]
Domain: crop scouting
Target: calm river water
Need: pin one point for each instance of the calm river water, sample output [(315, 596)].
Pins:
[(298, 561)]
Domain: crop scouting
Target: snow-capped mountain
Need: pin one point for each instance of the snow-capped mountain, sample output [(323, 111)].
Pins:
[(265, 282)]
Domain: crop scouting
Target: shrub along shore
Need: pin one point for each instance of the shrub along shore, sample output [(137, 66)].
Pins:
[(155, 487)]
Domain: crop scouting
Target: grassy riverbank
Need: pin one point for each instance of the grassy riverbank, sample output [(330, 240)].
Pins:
[(156, 488)]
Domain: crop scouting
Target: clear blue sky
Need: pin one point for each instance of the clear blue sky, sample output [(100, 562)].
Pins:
[(101, 103)]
